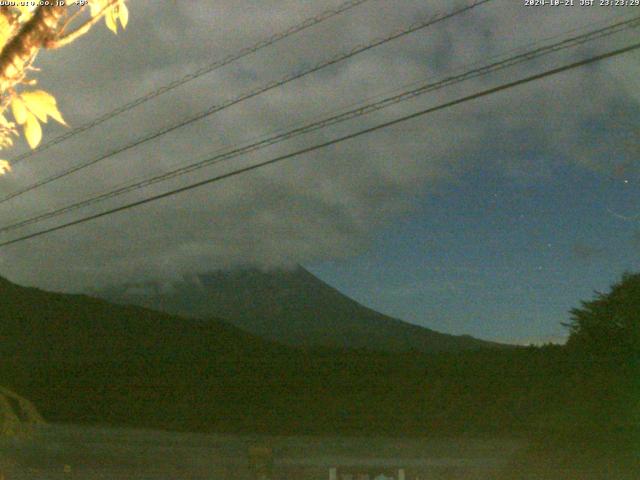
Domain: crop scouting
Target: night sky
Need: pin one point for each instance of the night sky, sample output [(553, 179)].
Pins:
[(500, 258), (492, 218)]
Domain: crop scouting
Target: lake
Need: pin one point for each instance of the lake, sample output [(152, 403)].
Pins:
[(71, 452)]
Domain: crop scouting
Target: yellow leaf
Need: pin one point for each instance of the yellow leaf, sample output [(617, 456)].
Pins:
[(41, 104), (118, 11), (19, 110), (32, 130), (4, 122), (110, 18), (57, 116), (96, 6), (5, 135), (123, 14), (4, 167)]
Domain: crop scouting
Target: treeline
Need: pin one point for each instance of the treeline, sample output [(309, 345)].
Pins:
[(151, 370), (493, 391)]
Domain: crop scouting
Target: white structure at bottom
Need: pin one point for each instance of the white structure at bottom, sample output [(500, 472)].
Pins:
[(354, 474)]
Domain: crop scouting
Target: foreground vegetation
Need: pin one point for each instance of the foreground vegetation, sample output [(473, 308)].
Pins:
[(579, 403)]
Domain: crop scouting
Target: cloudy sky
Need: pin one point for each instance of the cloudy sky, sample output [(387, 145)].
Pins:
[(492, 218)]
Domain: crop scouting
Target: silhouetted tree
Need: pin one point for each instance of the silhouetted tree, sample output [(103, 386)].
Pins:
[(609, 324), (604, 345)]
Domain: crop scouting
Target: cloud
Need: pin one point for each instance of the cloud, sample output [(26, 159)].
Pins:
[(327, 204)]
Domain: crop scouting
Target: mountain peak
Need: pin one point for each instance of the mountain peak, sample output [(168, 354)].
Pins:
[(290, 306)]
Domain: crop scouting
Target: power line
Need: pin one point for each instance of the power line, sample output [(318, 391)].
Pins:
[(363, 110), (319, 146), (305, 24), (234, 101)]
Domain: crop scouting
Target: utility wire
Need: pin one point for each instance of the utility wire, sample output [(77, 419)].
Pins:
[(334, 141), (305, 24), (234, 101), (363, 110)]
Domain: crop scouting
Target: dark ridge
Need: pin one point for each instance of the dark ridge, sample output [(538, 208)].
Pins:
[(292, 307)]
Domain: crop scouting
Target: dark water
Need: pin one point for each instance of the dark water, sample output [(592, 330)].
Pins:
[(65, 452)]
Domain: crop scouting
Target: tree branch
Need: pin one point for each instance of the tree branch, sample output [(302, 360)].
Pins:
[(81, 30), (72, 17), (34, 35), (9, 28)]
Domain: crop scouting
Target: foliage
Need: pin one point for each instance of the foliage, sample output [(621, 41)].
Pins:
[(24, 31), (610, 323), (82, 360)]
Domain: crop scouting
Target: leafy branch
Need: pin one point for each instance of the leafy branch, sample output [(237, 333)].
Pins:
[(24, 31)]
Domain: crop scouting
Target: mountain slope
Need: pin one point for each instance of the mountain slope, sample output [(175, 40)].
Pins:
[(36, 325), (293, 307), (83, 360)]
